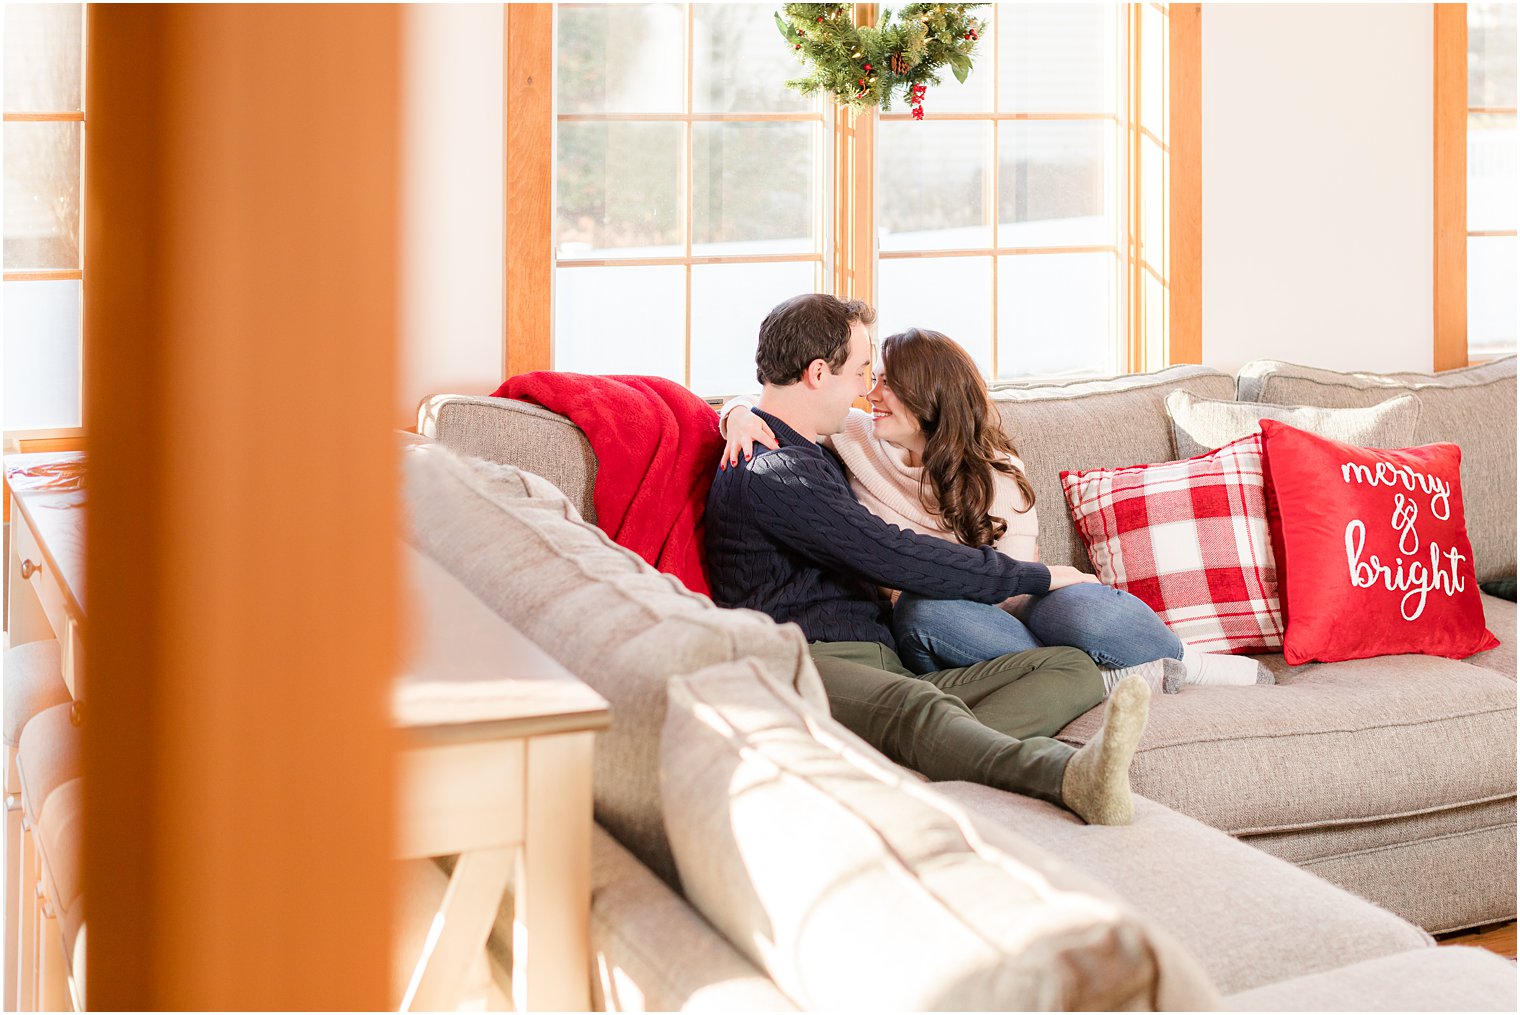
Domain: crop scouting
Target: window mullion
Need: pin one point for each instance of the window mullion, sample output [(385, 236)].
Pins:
[(691, 178)]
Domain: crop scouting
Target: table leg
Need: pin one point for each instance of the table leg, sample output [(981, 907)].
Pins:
[(551, 964), (460, 929), (26, 943)]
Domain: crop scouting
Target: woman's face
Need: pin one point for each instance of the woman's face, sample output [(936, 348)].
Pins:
[(894, 423)]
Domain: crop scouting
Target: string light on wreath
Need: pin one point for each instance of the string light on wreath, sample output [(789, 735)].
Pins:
[(863, 66)]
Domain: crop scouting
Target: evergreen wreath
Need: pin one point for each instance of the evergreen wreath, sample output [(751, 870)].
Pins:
[(861, 67)]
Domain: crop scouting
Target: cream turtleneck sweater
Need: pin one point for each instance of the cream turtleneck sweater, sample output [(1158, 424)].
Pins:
[(889, 487)]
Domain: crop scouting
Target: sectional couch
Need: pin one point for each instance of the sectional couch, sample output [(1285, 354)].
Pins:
[(1294, 846)]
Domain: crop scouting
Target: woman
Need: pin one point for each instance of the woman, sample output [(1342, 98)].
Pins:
[(932, 456)]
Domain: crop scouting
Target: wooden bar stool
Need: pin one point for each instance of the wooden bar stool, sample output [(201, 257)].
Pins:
[(48, 756), (33, 682)]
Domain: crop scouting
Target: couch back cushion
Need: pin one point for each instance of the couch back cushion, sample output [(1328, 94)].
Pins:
[(1473, 407), (624, 628), (856, 887), (1093, 424)]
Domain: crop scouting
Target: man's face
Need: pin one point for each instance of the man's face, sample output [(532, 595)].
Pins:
[(837, 391)]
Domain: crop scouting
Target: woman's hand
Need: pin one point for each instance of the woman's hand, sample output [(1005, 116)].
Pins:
[(745, 430), (1061, 576)]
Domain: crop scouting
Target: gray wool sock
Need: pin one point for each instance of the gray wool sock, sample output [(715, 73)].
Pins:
[(1174, 675), (1095, 786), (1162, 676)]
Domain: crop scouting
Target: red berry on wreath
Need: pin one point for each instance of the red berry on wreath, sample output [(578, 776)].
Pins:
[(798, 46), (820, 20)]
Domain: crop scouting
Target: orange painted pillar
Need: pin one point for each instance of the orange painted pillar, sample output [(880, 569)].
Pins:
[(240, 337)]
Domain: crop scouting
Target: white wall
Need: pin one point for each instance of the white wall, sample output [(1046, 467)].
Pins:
[(452, 193), (1317, 196)]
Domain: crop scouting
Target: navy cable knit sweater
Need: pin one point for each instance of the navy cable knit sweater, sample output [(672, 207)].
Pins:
[(786, 536)]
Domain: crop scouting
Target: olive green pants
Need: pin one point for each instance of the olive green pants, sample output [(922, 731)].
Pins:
[(989, 723)]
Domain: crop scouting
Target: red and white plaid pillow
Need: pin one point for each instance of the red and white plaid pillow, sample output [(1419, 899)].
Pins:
[(1190, 539)]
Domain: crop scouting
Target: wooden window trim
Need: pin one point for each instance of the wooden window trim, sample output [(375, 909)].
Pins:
[(529, 228), (1185, 190), (67, 438), (1449, 173), (77, 116)]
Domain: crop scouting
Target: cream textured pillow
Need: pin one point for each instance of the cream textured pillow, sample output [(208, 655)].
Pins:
[(1200, 425), (856, 887), (621, 626)]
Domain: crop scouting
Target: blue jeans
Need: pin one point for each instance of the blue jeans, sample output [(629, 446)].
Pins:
[(1111, 626)]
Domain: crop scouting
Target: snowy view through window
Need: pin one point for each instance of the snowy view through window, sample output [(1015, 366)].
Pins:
[(1004, 233)]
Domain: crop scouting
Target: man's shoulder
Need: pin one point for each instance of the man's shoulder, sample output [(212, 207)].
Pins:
[(783, 464)]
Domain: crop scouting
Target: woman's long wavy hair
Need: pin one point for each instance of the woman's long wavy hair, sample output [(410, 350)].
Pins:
[(964, 442)]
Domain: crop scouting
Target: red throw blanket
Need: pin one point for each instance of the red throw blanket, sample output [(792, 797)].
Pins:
[(657, 447)]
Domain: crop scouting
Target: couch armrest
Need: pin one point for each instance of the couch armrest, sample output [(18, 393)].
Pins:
[(510, 432)]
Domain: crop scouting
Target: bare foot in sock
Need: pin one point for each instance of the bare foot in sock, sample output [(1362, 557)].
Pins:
[(1223, 670), (1095, 786), (1162, 676)]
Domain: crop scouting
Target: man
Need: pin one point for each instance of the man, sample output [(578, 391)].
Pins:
[(785, 535)]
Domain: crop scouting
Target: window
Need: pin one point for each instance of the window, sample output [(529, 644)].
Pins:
[(1491, 240), (999, 217), (689, 190), (1027, 216), (43, 152)]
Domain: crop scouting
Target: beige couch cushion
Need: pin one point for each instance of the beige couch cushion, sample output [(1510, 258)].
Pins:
[(600, 611), (33, 682), (1432, 979), (650, 951), (1200, 425), (858, 888), (1329, 744), (1473, 407), (1250, 919), (1498, 617), (1092, 424), (1443, 871)]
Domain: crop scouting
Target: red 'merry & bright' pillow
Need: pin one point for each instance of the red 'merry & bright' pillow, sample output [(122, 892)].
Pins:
[(1372, 550)]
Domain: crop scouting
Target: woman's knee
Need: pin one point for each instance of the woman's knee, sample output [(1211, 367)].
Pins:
[(1102, 621), (918, 612)]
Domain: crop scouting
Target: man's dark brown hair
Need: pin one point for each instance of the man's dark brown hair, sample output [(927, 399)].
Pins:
[(804, 328)]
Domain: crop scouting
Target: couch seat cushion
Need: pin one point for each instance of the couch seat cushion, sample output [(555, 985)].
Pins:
[(621, 626), (1249, 918), (1432, 979), (1330, 744), (856, 886)]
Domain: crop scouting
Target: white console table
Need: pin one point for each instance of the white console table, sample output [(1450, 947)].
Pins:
[(496, 768)]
